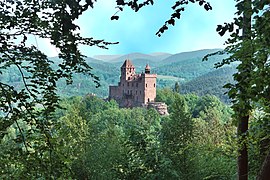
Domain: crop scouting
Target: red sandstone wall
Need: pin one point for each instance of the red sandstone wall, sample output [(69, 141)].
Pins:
[(139, 91), (135, 89), (114, 92), (150, 88)]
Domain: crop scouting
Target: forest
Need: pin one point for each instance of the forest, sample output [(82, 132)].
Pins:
[(95, 139), (51, 129)]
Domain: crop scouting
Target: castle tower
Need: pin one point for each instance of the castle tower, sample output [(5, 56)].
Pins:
[(127, 70), (134, 89), (149, 81), (147, 69)]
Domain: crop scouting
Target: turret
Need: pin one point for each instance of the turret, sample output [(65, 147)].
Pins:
[(147, 69)]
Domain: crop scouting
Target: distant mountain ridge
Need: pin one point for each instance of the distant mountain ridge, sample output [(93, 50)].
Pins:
[(134, 56), (189, 55), (160, 54), (157, 56), (185, 67), (106, 57)]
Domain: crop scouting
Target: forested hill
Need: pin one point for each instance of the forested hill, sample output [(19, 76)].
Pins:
[(211, 83), (188, 55), (186, 68)]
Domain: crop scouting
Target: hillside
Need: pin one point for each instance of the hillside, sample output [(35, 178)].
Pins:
[(161, 55), (189, 68), (211, 83), (186, 68), (188, 55)]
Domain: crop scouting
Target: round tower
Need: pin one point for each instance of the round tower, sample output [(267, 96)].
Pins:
[(147, 69)]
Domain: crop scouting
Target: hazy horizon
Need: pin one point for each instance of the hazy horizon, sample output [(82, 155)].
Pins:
[(150, 54)]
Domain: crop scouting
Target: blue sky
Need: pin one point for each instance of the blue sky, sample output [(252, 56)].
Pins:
[(135, 31)]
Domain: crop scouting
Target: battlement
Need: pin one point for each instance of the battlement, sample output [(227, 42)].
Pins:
[(149, 75)]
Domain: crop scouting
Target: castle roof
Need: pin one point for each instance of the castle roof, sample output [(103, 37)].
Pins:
[(147, 67), (127, 63)]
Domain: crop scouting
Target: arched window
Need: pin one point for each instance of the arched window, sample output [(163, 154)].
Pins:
[(154, 84), (148, 100), (146, 85)]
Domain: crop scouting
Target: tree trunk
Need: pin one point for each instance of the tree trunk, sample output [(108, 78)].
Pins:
[(243, 153), (244, 111), (264, 174)]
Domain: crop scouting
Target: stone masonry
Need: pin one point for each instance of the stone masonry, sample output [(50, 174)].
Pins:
[(136, 90)]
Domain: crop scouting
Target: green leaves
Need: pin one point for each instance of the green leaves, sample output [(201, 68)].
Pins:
[(114, 17), (178, 8), (34, 99), (223, 29)]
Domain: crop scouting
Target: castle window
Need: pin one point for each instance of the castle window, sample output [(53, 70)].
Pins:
[(140, 92), (154, 84), (145, 85), (148, 100), (136, 92), (123, 84)]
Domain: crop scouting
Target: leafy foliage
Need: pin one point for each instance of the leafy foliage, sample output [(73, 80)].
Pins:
[(251, 48), (96, 139), (178, 7), (30, 130), (29, 109)]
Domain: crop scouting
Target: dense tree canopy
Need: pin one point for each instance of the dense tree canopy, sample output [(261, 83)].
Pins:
[(33, 105), (109, 142), (38, 138)]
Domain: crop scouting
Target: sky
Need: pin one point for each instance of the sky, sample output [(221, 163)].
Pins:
[(135, 31)]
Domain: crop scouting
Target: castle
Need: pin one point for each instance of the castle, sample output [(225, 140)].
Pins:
[(136, 90)]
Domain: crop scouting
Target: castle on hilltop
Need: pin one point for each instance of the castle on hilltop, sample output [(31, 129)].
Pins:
[(136, 90)]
